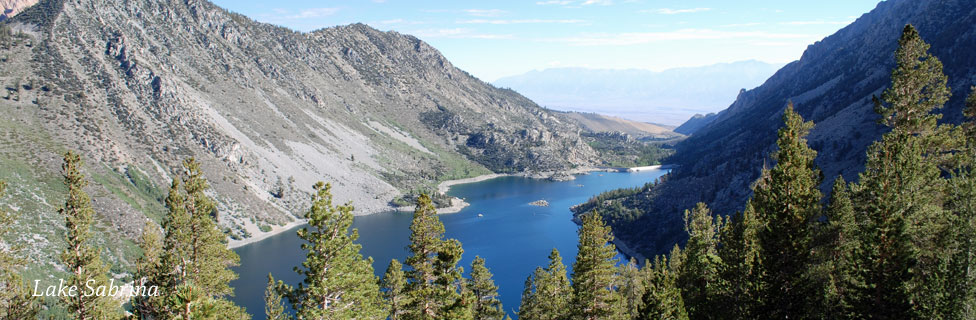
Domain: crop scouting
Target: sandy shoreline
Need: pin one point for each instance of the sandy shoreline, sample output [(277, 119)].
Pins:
[(258, 236)]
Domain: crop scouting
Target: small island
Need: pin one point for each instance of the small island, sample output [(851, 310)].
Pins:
[(540, 203)]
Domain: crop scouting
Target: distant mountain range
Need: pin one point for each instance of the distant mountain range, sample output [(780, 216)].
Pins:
[(832, 85), (597, 123), (668, 97)]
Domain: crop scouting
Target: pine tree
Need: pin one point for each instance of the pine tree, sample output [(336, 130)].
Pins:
[(632, 288), (594, 274), (433, 275), (394, 284), (149, 271), (80, 258), (195, 263), (699, 277), (787, 200), (548, 292), (905, 227), (338, 283), (961, 201), (843, 282), (739, 271), (486, 303), (273, 307), (16, 301), (662, 299)]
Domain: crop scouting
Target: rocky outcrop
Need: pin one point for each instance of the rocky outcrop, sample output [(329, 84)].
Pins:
[(832, 85), (10, 8)]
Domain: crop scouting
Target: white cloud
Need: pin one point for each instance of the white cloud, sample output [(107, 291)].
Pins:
[(636, 38), (555, 2), (677, 11), (457, 33), (599, 2), (484, 12), (521, 21)]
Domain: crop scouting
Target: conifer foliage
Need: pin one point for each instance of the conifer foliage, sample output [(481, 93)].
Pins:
[(16, 300), (81, 257)]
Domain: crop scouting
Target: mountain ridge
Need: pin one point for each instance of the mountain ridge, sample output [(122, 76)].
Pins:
[(831, 85), (139, 86)]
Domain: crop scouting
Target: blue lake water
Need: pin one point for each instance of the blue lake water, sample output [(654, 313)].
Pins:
[(512, 236)]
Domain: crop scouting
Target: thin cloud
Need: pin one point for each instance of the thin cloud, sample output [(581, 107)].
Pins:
[(677, 11), (484, 12), (748, 24), (554, 2), (522, 21), (599, 2), (637, 38)]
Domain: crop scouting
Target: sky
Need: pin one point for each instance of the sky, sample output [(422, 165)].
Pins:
[(493, 39)]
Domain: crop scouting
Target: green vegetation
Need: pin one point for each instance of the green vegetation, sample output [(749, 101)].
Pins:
[(16, 301), (623, 151)]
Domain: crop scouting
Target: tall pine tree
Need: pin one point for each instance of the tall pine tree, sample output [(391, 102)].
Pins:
[(904, 229), (594, 272), (699, 277), (394, 284), (195, 262), (632, 286), (547, 293), (273, 307), (80, 257), (486, 303), (662, 297), (338, 283), (433, 289), (787, 200), (740, 272), (843, 246)]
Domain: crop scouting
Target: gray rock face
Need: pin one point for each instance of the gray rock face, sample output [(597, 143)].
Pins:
[(832, 84), (141, 85)]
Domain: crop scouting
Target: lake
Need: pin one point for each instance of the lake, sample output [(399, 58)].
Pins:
[(512, 236)]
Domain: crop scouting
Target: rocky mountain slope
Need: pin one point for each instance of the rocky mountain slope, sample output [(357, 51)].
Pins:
[(696, 122), (598, 123), (669, 97), (138, 86), (832, 84)]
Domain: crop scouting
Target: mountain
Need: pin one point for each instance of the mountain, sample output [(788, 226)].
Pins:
[(598, 123), (139, 86), (696, 122), (669, 97), (10, 8), (832, 85)]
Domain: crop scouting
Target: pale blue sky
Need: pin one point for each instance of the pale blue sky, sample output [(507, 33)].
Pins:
[(492, 39)]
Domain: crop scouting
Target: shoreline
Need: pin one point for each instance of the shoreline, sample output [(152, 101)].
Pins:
[(233, 244), (457, 204)]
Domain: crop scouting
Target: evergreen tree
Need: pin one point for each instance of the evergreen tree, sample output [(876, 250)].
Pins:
[(904, 232), (843, 282), (80, 258), (699, 277), (148, 271), (787, 200), (273, 307), (195, 262), (433, 275), (486, 303), (632, 288), (594, 272), (16, 301), (548, 292), (961, 201), (338, 283), (394, 284), (739, 271), (662, 299)]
